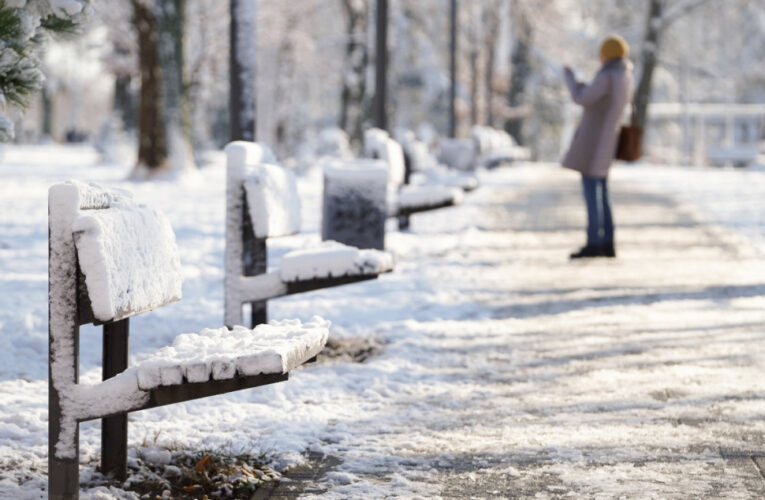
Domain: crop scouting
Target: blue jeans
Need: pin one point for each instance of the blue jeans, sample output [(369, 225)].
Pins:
[(600, 224)]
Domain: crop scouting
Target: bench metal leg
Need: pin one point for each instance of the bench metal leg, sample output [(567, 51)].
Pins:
[(63, 478), (114, 430), (63, 473), (259, 313), (255, 262)]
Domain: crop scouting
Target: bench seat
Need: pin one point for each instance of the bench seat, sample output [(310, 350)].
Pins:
[(332, 259), (328, 265), (196, 365), (443, 176), (413, 198)]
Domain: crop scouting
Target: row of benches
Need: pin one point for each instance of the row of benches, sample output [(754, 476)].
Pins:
[(112, 258)]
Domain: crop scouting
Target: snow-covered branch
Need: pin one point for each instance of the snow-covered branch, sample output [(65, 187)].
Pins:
[(22, 24)]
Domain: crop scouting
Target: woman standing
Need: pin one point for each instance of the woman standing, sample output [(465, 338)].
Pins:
[(594, 144)]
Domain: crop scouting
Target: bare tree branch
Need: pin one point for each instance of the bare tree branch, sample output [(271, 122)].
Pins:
[(678, 10)]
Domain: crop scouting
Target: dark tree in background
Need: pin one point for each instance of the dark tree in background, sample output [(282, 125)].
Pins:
[(164, 125), (520, 73), (661, 14), (152, 143), (242, 53), (353, 96)]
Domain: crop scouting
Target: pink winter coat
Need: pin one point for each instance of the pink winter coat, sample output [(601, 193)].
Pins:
[(594, 144)]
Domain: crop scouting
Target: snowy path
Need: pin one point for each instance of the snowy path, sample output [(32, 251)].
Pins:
[(505, 369), (639, 377)]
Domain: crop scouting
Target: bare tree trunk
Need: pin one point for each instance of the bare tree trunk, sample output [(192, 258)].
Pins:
[(175, 83), (242, 70), (491, 24), (649, 59), (380, 104), (47, 113), (520, 71), (152, 151), (124, 101), (473, 59), (356, 60), (285, 75), (452, 68)]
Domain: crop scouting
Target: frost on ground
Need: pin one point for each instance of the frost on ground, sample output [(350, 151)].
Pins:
[(505, 369)]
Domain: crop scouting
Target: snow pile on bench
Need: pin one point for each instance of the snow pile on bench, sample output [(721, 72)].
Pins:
[(419, 155), (427, 170), (273, 200), (358, 172), (129, 257), (427, 196), (221, 354), (378, 144), (496, 146), (457, 153), (333, 259), (333, 142)]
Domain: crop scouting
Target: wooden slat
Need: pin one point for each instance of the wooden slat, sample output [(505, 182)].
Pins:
[(255, 256), (422, 208), (167, 395), (114, 430), (319, 283)]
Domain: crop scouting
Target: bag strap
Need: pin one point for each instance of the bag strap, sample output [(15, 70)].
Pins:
[(634, 112)]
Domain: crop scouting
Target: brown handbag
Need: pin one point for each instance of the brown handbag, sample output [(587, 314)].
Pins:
[(628, 148)]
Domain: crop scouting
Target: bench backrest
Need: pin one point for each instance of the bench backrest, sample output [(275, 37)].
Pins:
[(378, 144), (126, 251), (273, 203)]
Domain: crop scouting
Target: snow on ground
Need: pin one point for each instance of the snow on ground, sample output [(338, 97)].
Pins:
[(505, 368)]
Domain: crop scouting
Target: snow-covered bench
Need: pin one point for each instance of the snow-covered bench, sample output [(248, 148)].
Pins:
[(406, 199), (487, 147), (111, 258), (457, 153), (495, 147), (423, 168), (741, 155), (262, 202)]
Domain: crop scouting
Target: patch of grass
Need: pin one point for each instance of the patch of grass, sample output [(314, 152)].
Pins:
[(162, 473), (356, 349)]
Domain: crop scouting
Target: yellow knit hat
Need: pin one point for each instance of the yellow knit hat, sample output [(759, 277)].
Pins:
[(614, 47)]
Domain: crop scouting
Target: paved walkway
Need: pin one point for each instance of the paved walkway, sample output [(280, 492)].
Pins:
[(639, 377)]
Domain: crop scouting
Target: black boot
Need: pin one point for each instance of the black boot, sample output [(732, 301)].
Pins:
[(588, 251), (609, 250)]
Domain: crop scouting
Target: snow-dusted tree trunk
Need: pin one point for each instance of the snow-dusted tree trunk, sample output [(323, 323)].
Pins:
[(520, 72), (381, 65), (651, 42), (175, 84), (473, 55), (164, 126), (152, 149), (491, 33), (352, 104), (285, 77), (661, 15), (243, 47)]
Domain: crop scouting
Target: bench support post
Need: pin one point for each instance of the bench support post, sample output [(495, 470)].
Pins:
[(114, 430), (403, 220), (255, 263), (63, 473)]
